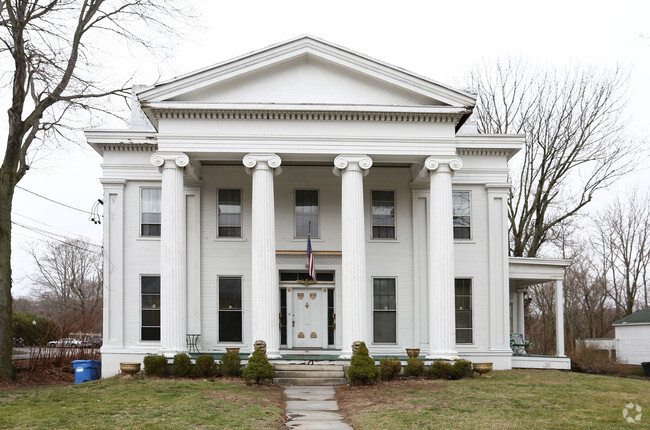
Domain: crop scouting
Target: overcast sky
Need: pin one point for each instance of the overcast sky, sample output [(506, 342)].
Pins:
[(440, 40)]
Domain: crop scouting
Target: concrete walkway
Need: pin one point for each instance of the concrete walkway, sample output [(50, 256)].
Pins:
[(311, 407)]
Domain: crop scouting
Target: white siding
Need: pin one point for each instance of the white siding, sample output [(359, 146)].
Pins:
[(633, 343)]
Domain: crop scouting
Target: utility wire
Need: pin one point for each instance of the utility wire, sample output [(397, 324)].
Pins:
[(49, 225), (47, 198), (49, 235)]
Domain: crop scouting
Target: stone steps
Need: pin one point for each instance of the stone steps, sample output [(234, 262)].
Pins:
[(303, 374)]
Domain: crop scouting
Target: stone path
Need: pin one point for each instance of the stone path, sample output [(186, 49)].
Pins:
[(311, 407)]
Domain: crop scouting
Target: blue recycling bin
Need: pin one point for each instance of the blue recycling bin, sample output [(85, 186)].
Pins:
[(86, 370)]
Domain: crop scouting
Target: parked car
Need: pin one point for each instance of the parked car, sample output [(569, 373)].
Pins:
[(66, 342)]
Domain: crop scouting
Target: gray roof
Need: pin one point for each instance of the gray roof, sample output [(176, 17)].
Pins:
[(638, 317)]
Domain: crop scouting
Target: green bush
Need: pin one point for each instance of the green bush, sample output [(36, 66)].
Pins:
[(182, 365), (205, 366), (155, 365), (414, 367), (362, 366), (389, 368), (258, 368), (33, 334), (231, 364), (441, 369), (462, 369)]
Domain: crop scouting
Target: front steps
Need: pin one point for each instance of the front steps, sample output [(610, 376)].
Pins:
[(309, 374)]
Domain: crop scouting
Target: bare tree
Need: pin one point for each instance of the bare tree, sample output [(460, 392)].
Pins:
[(51, 77), (69, 277), (573, 141), (624, 244)]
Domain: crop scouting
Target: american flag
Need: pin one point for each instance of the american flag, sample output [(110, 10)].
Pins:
[(310, 259)]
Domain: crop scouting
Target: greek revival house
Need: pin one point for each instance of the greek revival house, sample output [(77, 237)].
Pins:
[(212, 193)]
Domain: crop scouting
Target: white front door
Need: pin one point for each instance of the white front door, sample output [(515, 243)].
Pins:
[(309, 318)]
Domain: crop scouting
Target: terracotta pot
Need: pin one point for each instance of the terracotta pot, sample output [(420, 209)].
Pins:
[(413, 352)]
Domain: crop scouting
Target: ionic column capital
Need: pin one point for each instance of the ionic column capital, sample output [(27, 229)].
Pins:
[(262, 161), (440, 165), (164, 160), (352, 162)]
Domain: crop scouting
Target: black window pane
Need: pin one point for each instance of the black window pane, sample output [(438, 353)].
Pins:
[(230, 293), (463, 336), (306, 212), (230, 326), (150, 301), (151, 318), (150, 333), (150, 284), (283, 316), (385, 327)]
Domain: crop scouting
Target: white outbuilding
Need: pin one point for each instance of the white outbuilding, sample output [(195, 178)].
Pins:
[(633, 337)]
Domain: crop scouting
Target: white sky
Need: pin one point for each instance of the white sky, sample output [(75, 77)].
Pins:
[(440, 40)]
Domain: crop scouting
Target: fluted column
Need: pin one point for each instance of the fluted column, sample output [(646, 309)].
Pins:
[(264, 292), (173, 280), (354, 308), (559, 317), (442, 322)]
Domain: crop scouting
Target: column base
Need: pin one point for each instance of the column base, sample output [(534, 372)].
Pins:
[(442, 355), (272, 354)]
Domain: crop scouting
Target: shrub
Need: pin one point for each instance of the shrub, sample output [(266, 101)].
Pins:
[(462, 369), (231, 364), (258, 367), (205, 366), (389, 368), (362, 366), (33, 334), (414, 367), (589, 359), (155, 365), (441, 369), (182, 365)]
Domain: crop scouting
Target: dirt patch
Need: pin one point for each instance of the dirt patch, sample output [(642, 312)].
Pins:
[(39, 377)]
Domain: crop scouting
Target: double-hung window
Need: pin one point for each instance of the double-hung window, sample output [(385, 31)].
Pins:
[(383, 214), (229, 213), (150, 212), (230, 309), (150, 307), (306, 213), (462, 226), (463, 310), (384, 310)]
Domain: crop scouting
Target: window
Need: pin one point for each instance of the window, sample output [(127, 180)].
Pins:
[(461, 215), (150, 321), (384, 310), (331, 316), (383, 214), (230, 311), (150, 212), (306, 212), (283, 316), (229, 213), (463, 310)]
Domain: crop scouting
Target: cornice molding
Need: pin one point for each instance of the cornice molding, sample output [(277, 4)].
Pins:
[(129, 147)]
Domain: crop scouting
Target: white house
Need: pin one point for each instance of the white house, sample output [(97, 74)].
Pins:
[(211, 193), (632, 335)]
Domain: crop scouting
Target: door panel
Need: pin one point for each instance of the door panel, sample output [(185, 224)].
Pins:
[(310, 328)]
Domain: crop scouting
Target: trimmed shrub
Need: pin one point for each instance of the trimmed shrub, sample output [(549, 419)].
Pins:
[(414, 367), (462, 369), (441, 369), (258, 368), (155, 365), (205, 366), (231, 364), (362, 366), (389, 368), (182, 365)]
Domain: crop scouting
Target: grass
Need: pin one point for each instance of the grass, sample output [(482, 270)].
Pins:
[(515, 399), (145, 404)]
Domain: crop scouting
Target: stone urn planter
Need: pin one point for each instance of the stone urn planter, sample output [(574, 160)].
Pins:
[(483, 369), (355, 346), (232, 350), (129, 369), (261, 345), (413, 352)]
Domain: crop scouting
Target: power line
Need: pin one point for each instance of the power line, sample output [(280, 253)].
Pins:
[(49, 225), (49, 235), (47, 198)]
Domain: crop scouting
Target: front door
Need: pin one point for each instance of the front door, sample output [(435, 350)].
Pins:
[(309, 322)]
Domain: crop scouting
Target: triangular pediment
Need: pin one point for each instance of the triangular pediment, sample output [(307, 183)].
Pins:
[(305, 71)]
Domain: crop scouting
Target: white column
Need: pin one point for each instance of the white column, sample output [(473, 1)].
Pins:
[(354, 308), (173, 264), (520, 311), (265, 293), (559, 317), (442, 323)]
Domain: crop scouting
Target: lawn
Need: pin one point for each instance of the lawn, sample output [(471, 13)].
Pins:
[(515, 399), (144, 403)]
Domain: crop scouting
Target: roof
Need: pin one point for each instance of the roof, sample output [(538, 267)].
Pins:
[(639, 317)]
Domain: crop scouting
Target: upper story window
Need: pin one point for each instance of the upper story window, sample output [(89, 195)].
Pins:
[(383, 214), (306, 212), (462, 227), (150, 212), (229, 213)]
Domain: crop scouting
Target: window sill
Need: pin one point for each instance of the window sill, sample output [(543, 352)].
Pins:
[(230, 239), (383, 241), (464, 241), (148, 238)]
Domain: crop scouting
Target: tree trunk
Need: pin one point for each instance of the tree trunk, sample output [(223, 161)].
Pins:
[(7, 188)]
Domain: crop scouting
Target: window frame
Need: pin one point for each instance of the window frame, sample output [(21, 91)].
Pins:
[(142, 276), (241, 214), (394, 311), (295, 213), (240, 310), (471, 310), (471, 230), (141, 212), (372, 235)]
